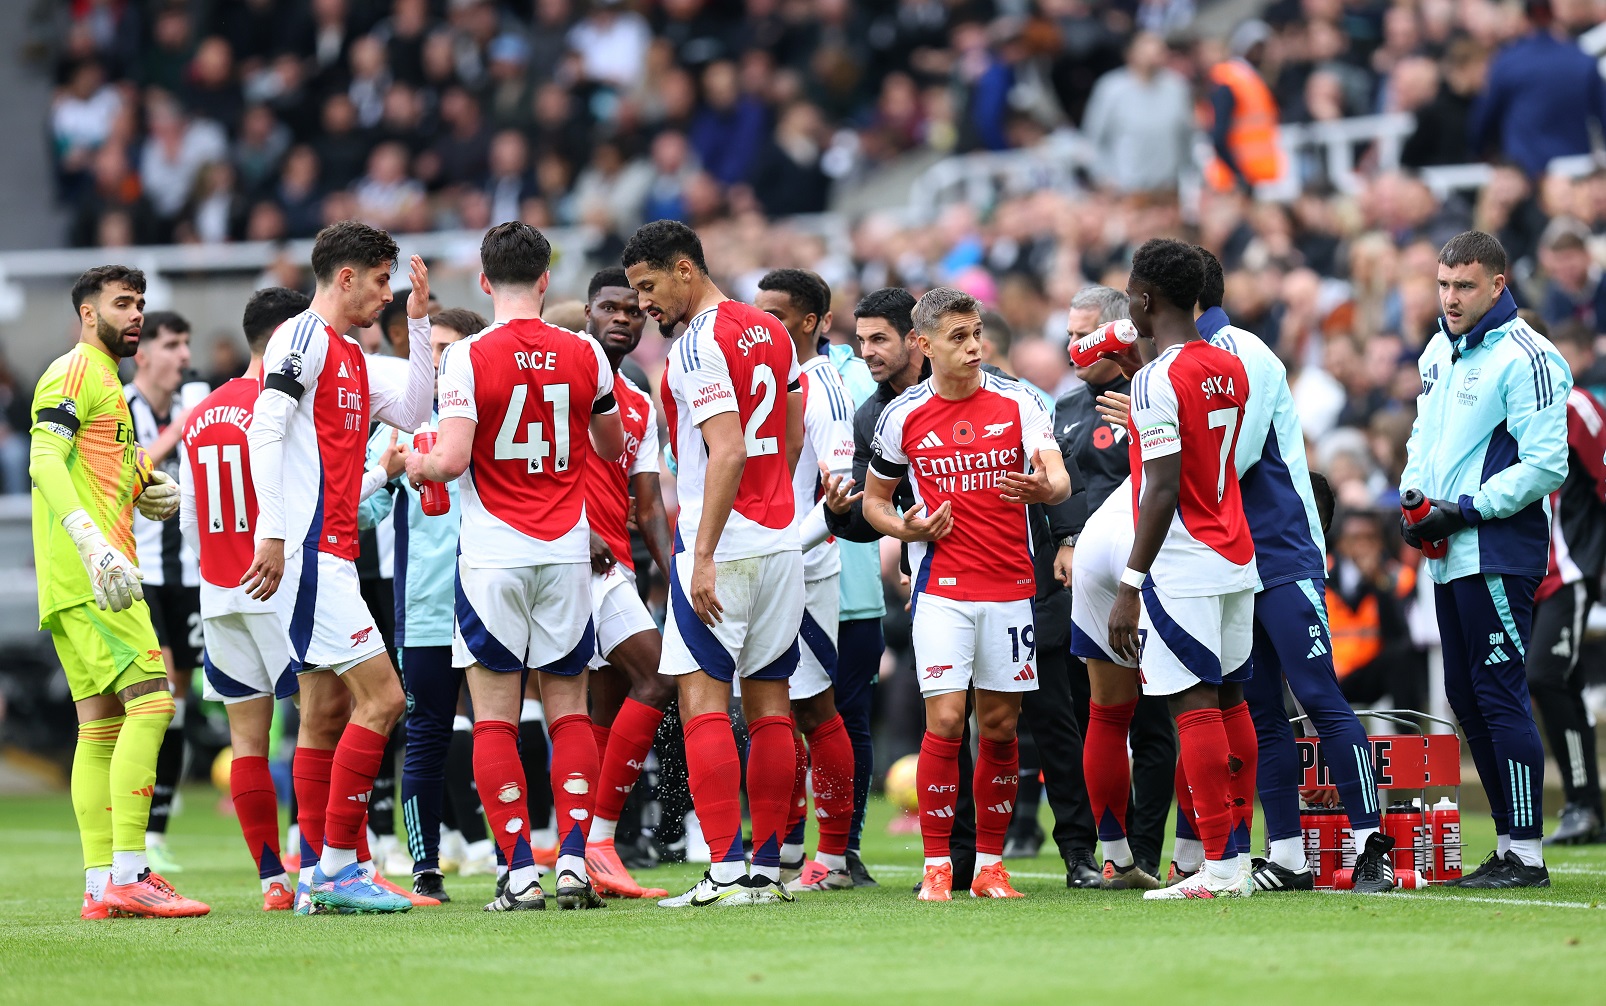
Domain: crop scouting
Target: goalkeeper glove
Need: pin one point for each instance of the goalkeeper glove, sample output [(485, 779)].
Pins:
[(115, 580), (159, 499)]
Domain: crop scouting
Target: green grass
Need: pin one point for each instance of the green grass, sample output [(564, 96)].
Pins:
[(876, 946)]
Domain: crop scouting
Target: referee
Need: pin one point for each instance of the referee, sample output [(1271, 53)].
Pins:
[(1488, 447)]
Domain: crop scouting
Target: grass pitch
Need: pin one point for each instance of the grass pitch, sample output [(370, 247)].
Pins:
[(876, 946)]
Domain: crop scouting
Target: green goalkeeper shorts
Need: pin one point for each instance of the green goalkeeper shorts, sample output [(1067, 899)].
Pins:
[(104, 652)]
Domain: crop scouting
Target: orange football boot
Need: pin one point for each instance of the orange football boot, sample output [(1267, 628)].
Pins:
[(938, 884), (277, 898), (609, 876), (151, 897), (418, 900), (993, 882)]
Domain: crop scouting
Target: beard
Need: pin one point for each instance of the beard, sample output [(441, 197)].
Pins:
[(112, 338)]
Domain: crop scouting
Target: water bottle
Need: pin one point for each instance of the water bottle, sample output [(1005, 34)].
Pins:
[(1416, 508), (1112, 337), (432, 496), (1444, 825)]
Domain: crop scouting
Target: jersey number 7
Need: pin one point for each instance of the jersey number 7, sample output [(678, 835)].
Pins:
[(1218, 419), (534, 449)]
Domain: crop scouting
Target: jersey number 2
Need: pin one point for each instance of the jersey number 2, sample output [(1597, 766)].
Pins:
[(763, 383), (1218, 419), (207, 458), (534, 450)]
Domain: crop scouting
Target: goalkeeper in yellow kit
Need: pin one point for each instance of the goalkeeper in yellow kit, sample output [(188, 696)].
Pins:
[(87, 481)]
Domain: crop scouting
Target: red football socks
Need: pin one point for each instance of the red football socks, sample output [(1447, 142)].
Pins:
[(831, 751), (798, 809), (1203, 740), (257, 806), (937, 777), (997, 778), (771, 771), (629, 740), (1105, 766), (1244, 749), (575, 767), (714, 773), (499, 777), (310, 770)]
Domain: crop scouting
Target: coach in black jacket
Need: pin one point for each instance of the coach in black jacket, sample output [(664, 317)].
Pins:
[(886, 330), (1100, 452)]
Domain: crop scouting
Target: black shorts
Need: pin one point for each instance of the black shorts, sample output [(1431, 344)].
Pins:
[(1558, 633), (176, 614)]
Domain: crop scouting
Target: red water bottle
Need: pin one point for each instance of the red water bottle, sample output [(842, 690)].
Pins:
[(1403, 823), (1444, 826), (1112, 337), (432, 496), (1416, 508)]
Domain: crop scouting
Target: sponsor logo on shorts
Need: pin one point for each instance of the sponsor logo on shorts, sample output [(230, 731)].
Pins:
[(361, 636), (153, 654), (935, 671)]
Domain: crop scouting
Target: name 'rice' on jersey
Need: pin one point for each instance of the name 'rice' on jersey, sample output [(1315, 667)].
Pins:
[(1198, 387), (734, 358), (958, 452), (532, 388)]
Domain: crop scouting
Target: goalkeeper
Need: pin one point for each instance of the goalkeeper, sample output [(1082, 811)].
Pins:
[(87, 481)]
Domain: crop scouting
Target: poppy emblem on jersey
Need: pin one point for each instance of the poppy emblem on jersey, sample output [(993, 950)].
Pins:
[(361, 636), (964, 433)]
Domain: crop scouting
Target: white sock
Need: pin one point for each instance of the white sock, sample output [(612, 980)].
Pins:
[(95, 879), (278, 878), (367, 866), (530, 710), (574, 864), (1222, 869), (602, 831), (766, 872), (1119, 852), (938, 861), (986, 859), (177, 722), (1502, 845), (1189, 854), (726, 873), (1361, 835), (127, 866), (1245, 862), (1529, 851), (462, 723), (831, 862), (791, 853), (523, 877), (1289, 853), (334, 860), (292, 840), (304, 876), (479, 850)]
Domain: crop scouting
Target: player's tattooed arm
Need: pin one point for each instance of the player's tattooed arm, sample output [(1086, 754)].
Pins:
[(914, 525), (1162, 479)]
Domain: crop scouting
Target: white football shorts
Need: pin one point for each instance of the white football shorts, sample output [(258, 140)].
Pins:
[(1188, 640), (1101, 554), (816, 664), (327, 622), (617, 611), (991, 644), (246, 657), (525, 616), (763, 601)]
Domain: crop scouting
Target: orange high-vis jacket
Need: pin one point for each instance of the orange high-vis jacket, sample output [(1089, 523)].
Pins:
[(1253, 135), (1357, 633)]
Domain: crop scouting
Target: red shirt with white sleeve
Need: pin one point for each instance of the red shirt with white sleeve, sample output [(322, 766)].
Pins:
[(608, 485), (218, 510)]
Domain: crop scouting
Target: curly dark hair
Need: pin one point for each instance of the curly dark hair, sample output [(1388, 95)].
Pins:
[(353, 243), (1475, 246), (808, 291), (1172, 267), (267, 310), (92, 282), (893, 304), (661, 244), (1215, 282), (514, 254), (612, 276)]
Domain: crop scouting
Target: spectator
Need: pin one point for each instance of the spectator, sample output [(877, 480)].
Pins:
[(511, 181), (789, 178), (259, 149), (461, 156), (342, 148), (386, 197), (300, 192), (174, 154), (1573, 289), (211, 90), (1147, 150), (116, 189), (1372, 650), (403, 35), (671, 167), (729, 129), (81, 119), (215, 212), (1243, 115), (612, 42), (282, 86), (510, 86), (370, 80), (611, 190), (1542, 97), (549, 38), (558, 126), (1441, 135), (403, 121), (254, 30), (163, 62)]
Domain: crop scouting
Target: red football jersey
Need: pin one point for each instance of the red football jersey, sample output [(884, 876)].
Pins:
[(532, 389), (958, 452), (608, 485), (1190, 399), (734, 358), (220, 468)]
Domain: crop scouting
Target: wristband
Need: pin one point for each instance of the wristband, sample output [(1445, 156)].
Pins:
[(1133, 578)]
